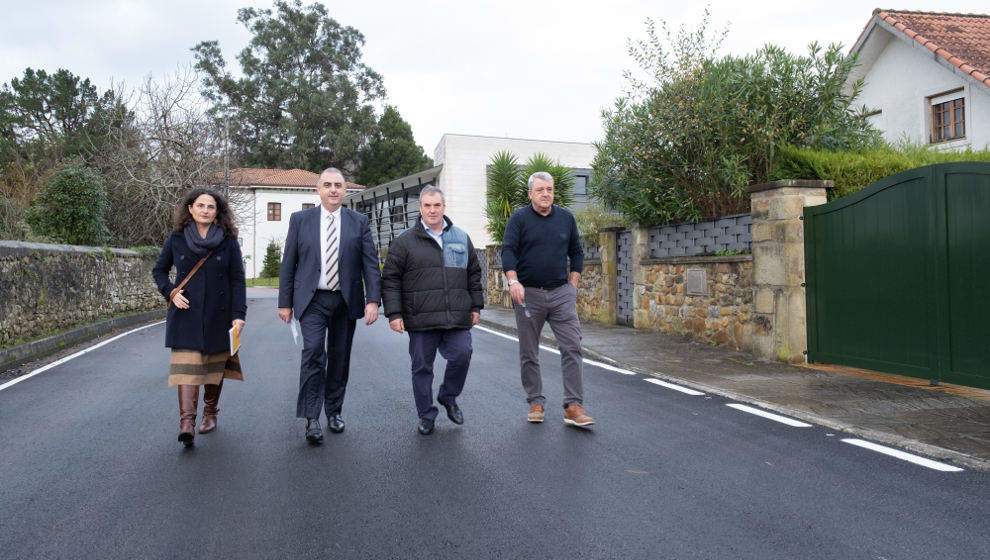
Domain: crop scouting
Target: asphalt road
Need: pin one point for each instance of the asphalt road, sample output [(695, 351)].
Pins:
[(90, 469)]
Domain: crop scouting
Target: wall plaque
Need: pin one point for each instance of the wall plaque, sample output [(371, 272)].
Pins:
[(697, 282)]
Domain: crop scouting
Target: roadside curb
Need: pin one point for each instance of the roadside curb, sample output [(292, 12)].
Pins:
[(15, 355), (875, 435)]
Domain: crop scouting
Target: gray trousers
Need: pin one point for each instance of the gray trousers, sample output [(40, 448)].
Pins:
[(558, 308)]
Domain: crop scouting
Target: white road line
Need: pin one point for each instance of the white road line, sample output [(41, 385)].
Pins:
[(903, 455), (609, 367), (61, 361), (769, 415), (595, 363), (496, 333), (674, 387)]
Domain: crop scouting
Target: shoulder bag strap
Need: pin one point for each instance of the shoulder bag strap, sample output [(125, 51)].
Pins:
[(189, 276)]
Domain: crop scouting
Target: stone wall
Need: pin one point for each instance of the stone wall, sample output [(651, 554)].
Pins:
[(590, 294), (496, 292), (716, 309), (46, 288)]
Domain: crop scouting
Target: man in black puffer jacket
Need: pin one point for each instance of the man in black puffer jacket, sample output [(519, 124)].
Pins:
[(431, 287)]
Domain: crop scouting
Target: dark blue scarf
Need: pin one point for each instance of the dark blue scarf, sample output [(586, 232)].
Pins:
[(200, 245)]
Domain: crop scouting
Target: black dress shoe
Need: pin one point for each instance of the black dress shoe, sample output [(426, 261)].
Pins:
[(454, 413), (314, 434), (336, 423), (425, 426)]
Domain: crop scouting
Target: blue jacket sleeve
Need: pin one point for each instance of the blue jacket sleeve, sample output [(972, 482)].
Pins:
[(162, 266), (574, 250), (287, 274), (510, 243)]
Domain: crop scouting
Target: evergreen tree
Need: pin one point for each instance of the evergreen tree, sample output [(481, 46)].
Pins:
[(391, 153), (55, 116), (71, 208), (272, 266), (303, 98)]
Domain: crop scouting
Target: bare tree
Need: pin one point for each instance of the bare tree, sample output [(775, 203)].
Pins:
[(168, 145)]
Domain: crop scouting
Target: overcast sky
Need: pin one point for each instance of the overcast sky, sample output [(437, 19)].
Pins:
[(520, 68)]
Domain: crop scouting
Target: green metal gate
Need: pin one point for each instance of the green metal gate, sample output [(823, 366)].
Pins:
[(898, 275)]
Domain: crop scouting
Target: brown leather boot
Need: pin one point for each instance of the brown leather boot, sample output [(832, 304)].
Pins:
[(211, 397), (188, 401)]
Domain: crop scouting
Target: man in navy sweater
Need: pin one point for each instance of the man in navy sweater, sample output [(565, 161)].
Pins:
[(537, 243)]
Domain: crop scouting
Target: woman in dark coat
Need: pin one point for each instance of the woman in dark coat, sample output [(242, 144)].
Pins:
[(204, 310)]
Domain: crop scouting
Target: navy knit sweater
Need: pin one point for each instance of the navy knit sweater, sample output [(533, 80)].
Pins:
[(537, 247)]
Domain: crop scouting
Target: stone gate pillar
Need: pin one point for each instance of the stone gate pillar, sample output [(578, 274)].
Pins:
[(640, 250), (606, 251), (780, 314)]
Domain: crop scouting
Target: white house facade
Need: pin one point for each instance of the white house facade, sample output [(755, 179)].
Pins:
[(926, 77), (461, 172)]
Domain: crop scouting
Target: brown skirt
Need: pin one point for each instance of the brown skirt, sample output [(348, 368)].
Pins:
[(191, 367)]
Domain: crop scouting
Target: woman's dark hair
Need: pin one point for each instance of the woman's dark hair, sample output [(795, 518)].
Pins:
[(224, 220)]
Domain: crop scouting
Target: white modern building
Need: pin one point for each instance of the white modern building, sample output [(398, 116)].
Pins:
[(263, 199), (927, 77), (461, 172)]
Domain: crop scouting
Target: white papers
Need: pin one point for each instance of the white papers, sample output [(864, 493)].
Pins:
[(294, 327)]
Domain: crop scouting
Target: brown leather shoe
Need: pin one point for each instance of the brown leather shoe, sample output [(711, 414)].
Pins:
[(575, 416), (536, 413), (188, 401), (211, 397)]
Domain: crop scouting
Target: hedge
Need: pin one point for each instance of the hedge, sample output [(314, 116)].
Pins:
[(853, 171)]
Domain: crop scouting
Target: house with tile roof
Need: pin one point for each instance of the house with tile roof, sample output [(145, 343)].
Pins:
[(263, 199), (927, 77)]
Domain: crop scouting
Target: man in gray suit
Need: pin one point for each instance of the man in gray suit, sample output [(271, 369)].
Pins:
[(329, 263)]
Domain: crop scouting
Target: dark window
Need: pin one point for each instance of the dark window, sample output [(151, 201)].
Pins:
[(398, 213), (274, 211), (308, 205), (948, 120), (580, 185)]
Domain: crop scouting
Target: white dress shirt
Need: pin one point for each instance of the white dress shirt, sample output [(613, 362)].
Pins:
[(324, 230)]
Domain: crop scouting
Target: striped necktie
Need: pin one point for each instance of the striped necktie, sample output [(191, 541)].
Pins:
[(331, 256)]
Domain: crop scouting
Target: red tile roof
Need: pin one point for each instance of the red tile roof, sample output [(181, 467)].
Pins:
[(248, 177), (961, 39)]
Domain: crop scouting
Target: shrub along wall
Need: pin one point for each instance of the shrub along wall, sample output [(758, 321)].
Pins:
[(47, 288), (852, 171)]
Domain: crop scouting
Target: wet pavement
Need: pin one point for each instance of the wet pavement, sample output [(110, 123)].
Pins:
[(927, 420), (92, 469)]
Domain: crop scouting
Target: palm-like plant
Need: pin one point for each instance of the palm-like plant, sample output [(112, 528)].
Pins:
[(563, 179), (504, 177), (507, 187)]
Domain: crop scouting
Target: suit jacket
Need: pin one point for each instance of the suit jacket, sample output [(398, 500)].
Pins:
[(301, 261)]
